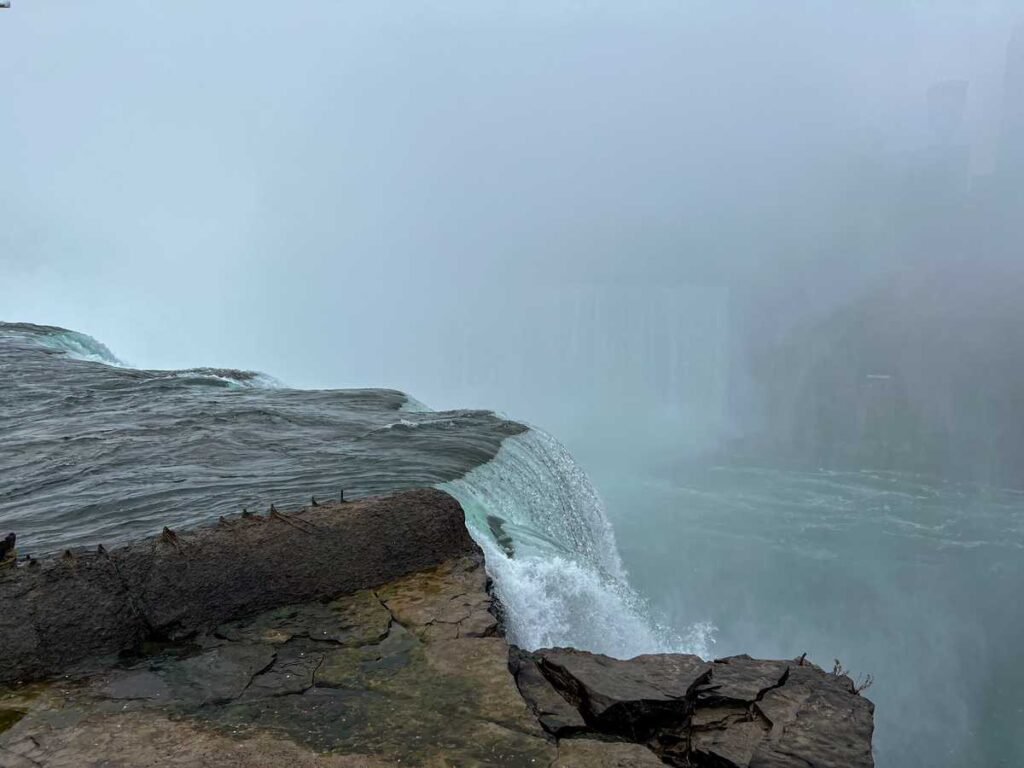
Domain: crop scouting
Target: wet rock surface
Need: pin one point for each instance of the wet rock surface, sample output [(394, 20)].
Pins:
[(736, 712), (412, 673), (416, 671), (83, 604), (589, 753)]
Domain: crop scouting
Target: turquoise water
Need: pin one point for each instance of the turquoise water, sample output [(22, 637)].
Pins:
[(914, 581), (95, 452)]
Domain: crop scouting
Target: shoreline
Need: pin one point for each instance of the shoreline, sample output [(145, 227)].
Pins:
[(365, 633)]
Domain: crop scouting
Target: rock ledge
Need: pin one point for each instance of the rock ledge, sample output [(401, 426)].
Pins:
[(395, 658)]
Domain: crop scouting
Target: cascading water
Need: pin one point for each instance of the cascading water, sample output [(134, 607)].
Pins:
[(551, 552), (98, 452)]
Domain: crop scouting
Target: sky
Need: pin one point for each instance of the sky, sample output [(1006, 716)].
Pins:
[(351, 193)]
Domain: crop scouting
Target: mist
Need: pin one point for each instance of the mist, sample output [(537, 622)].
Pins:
[(350, 195), (678, 236)]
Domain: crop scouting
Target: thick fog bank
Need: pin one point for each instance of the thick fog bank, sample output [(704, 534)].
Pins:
[(782, 232)]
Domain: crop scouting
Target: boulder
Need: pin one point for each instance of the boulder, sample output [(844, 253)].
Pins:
[(632, 698), (735, 712)]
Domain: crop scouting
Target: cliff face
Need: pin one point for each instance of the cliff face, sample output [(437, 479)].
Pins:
[(411, 670), (923, 373)]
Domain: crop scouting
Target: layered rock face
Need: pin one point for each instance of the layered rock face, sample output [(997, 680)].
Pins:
[(410, 670), (736, 711)]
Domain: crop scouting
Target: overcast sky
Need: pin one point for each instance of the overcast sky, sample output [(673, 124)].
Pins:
[(303, 188)]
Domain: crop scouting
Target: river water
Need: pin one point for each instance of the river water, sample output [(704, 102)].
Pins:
[(912, 580)]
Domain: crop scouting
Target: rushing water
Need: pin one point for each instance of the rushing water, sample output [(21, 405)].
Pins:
[(93, 451), (912, 580), (561, 579)]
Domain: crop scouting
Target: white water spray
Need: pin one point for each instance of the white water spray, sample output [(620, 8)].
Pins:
[(551, 552)]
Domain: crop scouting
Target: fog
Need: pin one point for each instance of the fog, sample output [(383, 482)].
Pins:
[(347, 194), (782, 234)]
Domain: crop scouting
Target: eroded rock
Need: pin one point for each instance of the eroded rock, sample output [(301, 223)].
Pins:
[(630, 698), (736, 712), (815, 715), (556, 715)]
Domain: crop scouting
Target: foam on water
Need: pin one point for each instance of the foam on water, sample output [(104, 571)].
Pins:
[(551, 552)]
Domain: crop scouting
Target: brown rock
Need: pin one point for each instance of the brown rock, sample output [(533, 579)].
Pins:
[(630, 698), (816, 716), (482, 662), (741, 680), (443, 603), (587, 753), (737, 712), (353, 620), (412, 672), (149, 739), (557, 716), (90, 604), (298, 673)]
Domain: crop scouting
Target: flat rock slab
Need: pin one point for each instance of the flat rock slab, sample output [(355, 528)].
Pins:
[(446, 602), (353, 620), (588, 753), (347, 682), (151, 739)]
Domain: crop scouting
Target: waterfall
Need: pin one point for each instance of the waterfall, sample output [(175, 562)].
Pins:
[(551, 552)]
